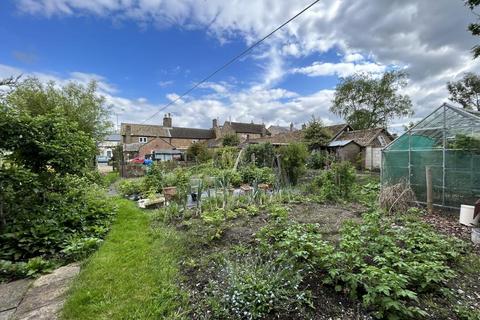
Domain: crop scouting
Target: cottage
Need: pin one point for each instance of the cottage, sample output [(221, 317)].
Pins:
[(140, 139), (274, 130)]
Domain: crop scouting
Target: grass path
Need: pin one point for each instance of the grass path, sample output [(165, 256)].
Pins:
[(133, 275)]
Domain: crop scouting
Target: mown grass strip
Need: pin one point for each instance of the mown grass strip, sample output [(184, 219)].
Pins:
[(133, 275)]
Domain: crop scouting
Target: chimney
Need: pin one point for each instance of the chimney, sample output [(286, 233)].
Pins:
[(304, 126), (167, 121), (291, 126), (214, 123)]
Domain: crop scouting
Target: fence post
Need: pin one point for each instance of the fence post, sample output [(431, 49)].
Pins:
[(428, 173)]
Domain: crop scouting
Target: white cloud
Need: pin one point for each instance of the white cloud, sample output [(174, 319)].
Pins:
[(429, 37), (166, 83), (341, 69)]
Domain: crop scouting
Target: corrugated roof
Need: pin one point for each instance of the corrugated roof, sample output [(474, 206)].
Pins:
[(192, 133), (113, 137), (241, 127), (340, 143)]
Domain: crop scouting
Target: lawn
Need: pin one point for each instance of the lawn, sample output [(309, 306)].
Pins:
[(133, 275)]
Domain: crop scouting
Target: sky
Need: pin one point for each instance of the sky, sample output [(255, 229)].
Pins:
[(145, 53)]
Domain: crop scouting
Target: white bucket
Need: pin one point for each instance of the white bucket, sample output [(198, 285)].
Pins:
[(466, 215)]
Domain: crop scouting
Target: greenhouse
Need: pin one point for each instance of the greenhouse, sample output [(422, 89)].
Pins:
[(447, 141)]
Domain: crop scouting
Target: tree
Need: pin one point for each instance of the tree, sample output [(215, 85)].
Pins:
[(79, 104), (366, 101), (474, 28), (466, 91), (293, 158), (230, 140), (316, 135)]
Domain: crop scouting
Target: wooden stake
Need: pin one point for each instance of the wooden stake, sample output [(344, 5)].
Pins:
[(428, 174)]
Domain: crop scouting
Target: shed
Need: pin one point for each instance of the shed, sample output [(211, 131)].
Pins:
[(448, 141), (344, 150)]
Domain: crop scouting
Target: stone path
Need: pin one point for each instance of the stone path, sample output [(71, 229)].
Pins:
[(40, 299)]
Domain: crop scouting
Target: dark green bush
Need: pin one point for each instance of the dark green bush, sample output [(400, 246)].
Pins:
[(230, 140), (251, 174), (293, 159)]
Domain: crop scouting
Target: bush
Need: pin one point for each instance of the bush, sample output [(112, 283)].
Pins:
[(130, 187), (251, 174), (316, 160), (230, 140), (224, 158), (72, 207), (336, 183), (293, 159), (199, 152), (253, 288), (264, 154)]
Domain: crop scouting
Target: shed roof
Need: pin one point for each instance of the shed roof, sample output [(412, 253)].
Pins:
[(281, 138), (340, 143), (336, 129), (363, 137)]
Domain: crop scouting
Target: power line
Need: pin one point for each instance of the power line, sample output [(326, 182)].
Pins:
[(244, 52)]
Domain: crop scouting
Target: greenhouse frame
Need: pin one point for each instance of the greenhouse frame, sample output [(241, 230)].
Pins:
[(447, 141)]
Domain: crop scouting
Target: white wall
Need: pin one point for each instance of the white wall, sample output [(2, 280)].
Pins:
[(373, 158)]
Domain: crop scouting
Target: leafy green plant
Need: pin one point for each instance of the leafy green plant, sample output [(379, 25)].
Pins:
[(293, 159), (128, 187), (264, 154), (336, 183), (253, 288), (230, 140), (79, 248)]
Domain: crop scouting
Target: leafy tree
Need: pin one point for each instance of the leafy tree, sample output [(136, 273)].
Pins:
[(230, 140), (293, 158), (366, 101), (316, 135), (466, 91), (474, 28), (79, 104), (45, 143)]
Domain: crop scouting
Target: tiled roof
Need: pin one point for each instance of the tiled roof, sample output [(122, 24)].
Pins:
[(281, 138), (337, 129), (362, 137), (147, 130), (279, 129), (241, 127), (192, 133)]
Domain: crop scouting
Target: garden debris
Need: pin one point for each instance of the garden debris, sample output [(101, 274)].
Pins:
[(396, 198), (149, 203)]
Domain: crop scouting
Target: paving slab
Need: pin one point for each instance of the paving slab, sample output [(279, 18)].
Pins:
[(12, 293), (7, 315)]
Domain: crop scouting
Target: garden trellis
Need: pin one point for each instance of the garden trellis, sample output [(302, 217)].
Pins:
[(448, 141)]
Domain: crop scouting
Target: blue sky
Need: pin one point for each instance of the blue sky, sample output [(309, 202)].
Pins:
[(144, 53)]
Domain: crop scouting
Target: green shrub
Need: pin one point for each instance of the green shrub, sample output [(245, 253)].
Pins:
[(251, 174), (73, 207), (264, 154), (316, 160), (128, 187), (154, 180), (230, 140), (199, 152), (336, 183), (80, 248), (252, 288), (293, 158)]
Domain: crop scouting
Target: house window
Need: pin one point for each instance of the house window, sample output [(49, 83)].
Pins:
[(382, 141), (142, 139)]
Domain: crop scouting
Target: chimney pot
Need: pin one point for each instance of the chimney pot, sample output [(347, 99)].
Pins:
[(167, 121)]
